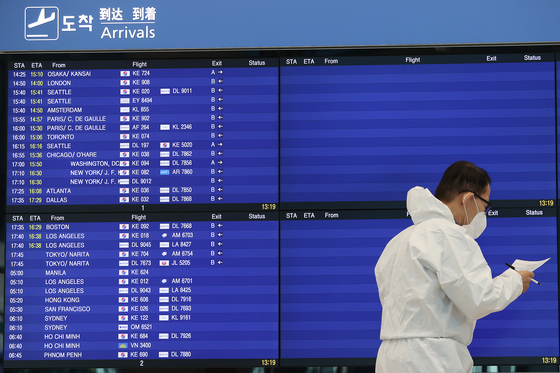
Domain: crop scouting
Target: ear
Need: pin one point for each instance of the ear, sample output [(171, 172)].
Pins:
[(463, 197)]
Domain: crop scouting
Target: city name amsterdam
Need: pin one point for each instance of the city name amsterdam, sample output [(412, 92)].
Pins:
[(64, 110)]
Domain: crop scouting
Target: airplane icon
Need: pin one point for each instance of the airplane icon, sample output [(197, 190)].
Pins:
[(42, 20), (41, 23)]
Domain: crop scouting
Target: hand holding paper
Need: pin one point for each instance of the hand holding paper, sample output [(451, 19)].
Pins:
[(526, 265)]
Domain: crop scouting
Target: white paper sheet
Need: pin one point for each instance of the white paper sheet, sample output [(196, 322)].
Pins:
[(526, 265)]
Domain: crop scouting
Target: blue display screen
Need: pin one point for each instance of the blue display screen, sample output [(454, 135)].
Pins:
[(516, 331), (143, 136), (184, 210), (202, 289), (367, 133), (330, 306)]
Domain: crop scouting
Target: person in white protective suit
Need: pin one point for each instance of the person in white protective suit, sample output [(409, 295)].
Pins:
[(433, 280)]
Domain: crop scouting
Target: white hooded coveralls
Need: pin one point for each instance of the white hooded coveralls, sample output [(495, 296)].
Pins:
[(434, 283)]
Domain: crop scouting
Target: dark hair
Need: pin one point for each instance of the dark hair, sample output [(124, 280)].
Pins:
[(459, 177)]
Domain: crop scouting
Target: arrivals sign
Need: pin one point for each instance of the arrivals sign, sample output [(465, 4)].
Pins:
[(47, 23)]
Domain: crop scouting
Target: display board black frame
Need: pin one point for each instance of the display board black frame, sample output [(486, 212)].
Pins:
[(395, 207)]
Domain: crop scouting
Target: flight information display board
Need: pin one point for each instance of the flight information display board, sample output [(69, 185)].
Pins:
[(516, 332), (201, 288), (122, 132), (366, 129), (330, 307), (185, 210), (97, 147)]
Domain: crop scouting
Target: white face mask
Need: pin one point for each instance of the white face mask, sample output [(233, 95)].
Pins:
[(478, 224)]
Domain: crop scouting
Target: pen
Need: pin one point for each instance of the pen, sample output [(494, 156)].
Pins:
[(512, 267)]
